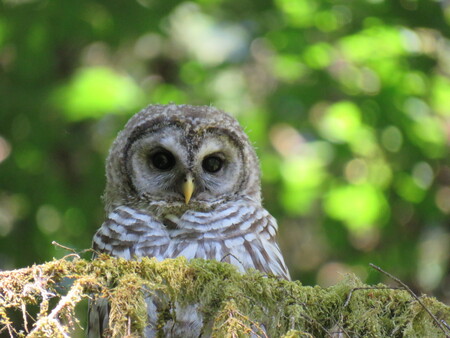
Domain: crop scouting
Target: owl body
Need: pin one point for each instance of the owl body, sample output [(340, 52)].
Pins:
[(184, 181), (240, 234)]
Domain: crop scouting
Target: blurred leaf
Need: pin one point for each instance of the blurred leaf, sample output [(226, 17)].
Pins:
[(302, 178), (429, 133), (298, 13), (366, 45), (95, 91), (360, 207), (327, 21), (341, 122), (408, 189), (288, 67), (441, 95), (319, 55)]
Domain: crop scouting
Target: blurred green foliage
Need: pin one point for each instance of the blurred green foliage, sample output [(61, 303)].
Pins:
[(348, 104)]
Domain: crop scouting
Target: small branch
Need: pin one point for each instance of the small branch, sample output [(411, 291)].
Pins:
[(73, 251), (24, 314), (438, 323), (445, 324), (231, 255)]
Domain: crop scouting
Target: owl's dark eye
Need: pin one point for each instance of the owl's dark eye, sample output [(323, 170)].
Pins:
[(163, 160), (212, 164)]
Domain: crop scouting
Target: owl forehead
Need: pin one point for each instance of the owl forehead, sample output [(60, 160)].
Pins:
[(192, 126), (190, 118)]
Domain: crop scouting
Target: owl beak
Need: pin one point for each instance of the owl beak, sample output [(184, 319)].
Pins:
[(188, 188)]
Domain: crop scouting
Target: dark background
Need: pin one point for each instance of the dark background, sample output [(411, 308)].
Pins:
[(347, 102)]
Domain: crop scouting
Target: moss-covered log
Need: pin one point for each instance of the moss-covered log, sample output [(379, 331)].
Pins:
[(236, 304)]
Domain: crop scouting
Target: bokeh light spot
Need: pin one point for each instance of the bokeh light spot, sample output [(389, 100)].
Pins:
[(441, 95), (288, 67), (392, 139), (5, 149), (95, 91), (298, 13), (326, 21), (340, 122), (434, 253), (358, 206), (318, 56), (365, 45), (408, 189), (48, 219), (209, 41), (302, 176), (286, 140), (443, 199), (430, 136), (366, 240), (12, 208), (356, 171), (423, 175), (148, 46)]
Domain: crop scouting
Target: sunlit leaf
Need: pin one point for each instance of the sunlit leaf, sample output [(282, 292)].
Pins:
[(326, 21), (380, 173), (341, 122), (366, 45), (359, 206), (408, 189), (298, 13), (441, 95), (363, 141), (429, 133), (415, 83), (302, 178), (319, 55), (288, 67), (96, 91), (392, 138)]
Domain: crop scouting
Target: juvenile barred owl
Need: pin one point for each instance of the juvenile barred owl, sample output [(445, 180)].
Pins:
[(184, 181)]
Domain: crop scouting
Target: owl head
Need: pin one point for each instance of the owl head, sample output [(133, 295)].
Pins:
[(181, 156)]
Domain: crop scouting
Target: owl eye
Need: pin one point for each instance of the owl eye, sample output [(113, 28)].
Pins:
[(163, 160), (212, 164)]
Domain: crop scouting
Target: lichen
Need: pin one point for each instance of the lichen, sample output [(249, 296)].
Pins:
[(232, 304)]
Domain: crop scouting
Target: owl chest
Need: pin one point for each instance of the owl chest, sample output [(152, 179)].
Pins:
[(235, 235), (217, 246)]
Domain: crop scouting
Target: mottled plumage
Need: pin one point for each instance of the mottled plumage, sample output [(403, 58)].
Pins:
[(184, 181)]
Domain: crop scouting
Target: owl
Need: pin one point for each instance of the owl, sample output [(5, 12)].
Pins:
[(184, 180)]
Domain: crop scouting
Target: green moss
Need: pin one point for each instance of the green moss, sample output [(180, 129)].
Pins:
[(232, 304)]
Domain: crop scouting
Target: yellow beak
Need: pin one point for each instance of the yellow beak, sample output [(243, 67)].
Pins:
[(188, 188)]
